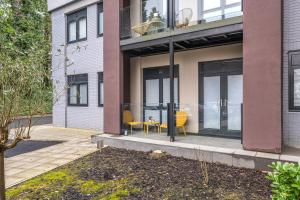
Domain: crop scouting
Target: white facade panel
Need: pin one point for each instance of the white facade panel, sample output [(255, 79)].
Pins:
[(291, 120), (86, 57)]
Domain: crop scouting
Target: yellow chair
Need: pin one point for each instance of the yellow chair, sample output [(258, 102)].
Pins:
[(181, 119), (128, 119)]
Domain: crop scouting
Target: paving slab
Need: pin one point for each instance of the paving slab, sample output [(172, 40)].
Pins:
[(23, 165)]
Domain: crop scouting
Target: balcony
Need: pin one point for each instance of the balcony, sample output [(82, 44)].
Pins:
[(191, 120), (150, 19)]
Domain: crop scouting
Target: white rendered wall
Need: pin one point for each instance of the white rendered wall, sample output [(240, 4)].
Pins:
[(291, 120), (87, 57)]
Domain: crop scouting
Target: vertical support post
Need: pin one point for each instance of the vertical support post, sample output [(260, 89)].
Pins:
[(113, 67), (171, 106), (171, 14), (262, 39)]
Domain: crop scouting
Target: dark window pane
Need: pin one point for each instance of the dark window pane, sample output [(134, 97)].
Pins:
[(83, 93), (100, 89), (73, 94), (100, 23), (78, 89), (72, 31), (101, 94), (297, 87), (76, 26), (296, 59), (82, 28), (81, 78)]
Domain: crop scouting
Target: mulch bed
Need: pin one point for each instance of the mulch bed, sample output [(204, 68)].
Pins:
[(164, 177)]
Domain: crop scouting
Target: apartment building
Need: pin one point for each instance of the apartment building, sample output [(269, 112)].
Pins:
[(234, 66), (77, 63)]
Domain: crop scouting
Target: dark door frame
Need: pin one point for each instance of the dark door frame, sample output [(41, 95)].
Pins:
[(222, 68), (159, 72)]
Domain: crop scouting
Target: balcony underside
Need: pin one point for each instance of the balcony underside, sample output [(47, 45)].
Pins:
[(183, 40)]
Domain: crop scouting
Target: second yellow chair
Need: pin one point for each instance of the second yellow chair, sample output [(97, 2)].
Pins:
[(181, 119)]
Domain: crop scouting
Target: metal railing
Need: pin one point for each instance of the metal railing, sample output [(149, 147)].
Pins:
[(209, 119), (151, 16)]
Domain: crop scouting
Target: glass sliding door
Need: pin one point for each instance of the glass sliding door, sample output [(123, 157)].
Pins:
[(152, 99), (221, 98), (157, 93), (211, 104), (166, 96), (235, 99)]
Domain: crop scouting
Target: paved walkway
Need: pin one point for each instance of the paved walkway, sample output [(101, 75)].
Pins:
[(73, 145)]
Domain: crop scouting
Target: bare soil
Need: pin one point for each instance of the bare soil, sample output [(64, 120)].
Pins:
[(122, 174)]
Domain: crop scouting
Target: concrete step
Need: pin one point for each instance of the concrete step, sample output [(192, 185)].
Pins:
[(213, 154)]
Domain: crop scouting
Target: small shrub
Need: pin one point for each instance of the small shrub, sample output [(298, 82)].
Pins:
[(200, 156), (285, 181)]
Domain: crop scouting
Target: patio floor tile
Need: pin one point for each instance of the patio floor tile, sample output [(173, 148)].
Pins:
[(76, 143)]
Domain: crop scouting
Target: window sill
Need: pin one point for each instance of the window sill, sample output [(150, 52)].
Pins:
[(82, 106), (294, 111), (77, 41)]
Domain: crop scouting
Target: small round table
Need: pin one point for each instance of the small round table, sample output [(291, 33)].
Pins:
[(147, 124)]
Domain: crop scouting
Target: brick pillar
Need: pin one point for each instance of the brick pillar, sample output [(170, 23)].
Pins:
[(262, 52)]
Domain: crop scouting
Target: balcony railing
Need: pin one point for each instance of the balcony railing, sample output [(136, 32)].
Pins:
[(207, 119), (148, 17)]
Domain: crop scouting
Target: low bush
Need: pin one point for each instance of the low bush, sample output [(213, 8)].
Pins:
[(285, 181)]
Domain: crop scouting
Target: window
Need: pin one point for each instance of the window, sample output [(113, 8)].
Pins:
[(77, 26), (100, 19), (294, 81), (100, 89), (78, 90), (213, 10)]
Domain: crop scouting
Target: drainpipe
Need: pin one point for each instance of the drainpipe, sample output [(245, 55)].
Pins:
[(66, 84), (66, 76)]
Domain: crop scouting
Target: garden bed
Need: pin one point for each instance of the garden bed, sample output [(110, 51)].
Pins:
[(121, 174)]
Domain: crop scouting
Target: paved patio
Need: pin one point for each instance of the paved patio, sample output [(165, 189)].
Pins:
[(68, 145), (209, 149), (192, 139)]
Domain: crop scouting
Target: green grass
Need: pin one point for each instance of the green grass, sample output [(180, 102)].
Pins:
[(51, 185)]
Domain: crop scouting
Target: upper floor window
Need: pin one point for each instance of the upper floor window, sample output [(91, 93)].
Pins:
[(100, 89), (100, 19), (78, 90), (294, 81), (213, 10), (77, 26)]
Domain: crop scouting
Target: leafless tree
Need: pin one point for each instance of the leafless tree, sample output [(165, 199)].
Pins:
[(24, 92)]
